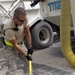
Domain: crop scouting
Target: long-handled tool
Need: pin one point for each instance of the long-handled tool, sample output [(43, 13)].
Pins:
[(30, 52), (30, 63), (30, 67)]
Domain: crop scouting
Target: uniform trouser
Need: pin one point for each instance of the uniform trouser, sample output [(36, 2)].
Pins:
[(11, 60)]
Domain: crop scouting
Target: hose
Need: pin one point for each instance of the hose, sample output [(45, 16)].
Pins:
[(65, 23)]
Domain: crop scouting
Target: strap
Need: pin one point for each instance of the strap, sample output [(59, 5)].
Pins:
[(10, 44), (14, 29)]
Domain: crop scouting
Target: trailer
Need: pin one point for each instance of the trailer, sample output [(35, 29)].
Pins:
[(50, 11)]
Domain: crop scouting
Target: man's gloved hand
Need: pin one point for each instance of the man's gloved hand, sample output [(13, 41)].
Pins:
[(29, 58), (30, 51)]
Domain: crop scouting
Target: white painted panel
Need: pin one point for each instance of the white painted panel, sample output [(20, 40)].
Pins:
[(28, 7)]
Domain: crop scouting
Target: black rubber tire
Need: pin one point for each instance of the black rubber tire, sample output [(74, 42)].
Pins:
[(45, 40)]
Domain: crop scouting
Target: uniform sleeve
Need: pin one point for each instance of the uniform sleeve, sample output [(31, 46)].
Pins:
[(9, 34)]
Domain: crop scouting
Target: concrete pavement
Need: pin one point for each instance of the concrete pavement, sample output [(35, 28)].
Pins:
[(48, 61)]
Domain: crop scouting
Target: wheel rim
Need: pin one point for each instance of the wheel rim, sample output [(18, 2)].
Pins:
[(44, 35)]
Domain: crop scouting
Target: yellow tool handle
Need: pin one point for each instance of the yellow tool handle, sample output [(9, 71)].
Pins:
[(30, 67)]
